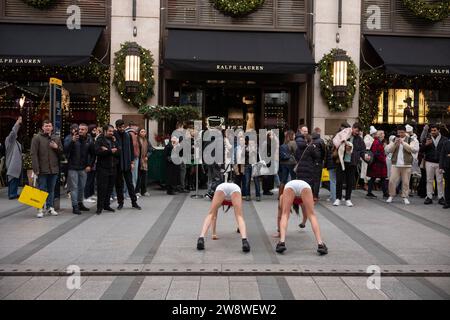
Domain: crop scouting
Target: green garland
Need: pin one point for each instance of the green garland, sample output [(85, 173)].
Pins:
[(40, 4), (179, 113), (326, 83), (237, 8), (433, 12), (372, 83), (147, 83), (93, 71)]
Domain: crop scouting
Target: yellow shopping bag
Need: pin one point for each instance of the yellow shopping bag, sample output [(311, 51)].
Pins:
[(33, 197), (325, 175)]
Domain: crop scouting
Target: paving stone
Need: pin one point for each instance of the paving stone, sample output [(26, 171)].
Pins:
[(359, 287), (395, 290), (59, 290), (244, 290), (9, 284), (214, 288), (93, 288), (305, 288), (334, 288), (154, 288), (183, 290), (32, 288)]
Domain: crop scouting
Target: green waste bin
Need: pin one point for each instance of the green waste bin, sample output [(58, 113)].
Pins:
[(157, 166)]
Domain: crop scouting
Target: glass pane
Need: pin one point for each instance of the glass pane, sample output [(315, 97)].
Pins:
[(276, 109), (192, 97), (379, 117)]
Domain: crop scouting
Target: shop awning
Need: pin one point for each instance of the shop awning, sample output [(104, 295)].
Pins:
[(413, 55), (229, 51), (38, 45)]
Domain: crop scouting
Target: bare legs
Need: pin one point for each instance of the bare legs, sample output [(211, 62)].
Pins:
[(211, 218), (286, 201), (236, 200)]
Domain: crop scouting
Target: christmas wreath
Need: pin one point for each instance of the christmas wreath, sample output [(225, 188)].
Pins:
[(433, 12), (334, 103), (237, 8), (147, 83), (40, 4)]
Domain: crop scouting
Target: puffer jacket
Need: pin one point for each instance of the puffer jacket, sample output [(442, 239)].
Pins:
[(307, 163)]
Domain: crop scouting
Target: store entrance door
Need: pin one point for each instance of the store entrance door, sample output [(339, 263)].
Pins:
[(240, 107)]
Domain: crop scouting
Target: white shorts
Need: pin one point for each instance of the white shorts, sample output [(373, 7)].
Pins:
[(297, 186), (228, 189)]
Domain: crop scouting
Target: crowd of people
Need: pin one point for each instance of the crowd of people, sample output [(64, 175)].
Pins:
[(103, 159), (112, 162)]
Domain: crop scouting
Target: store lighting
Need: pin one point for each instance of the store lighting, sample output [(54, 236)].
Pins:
[(132, 68), (340, 65)]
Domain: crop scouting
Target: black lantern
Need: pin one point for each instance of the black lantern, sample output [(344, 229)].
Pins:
[(132, 68), (340, 65)]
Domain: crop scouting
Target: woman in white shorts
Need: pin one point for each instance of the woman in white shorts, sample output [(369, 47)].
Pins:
[(225, 192), (298, 191)]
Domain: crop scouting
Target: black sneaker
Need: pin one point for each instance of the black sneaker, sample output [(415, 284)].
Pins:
[(82, 207), (281, 247), (322, 249), (245, 245), (201, 243), (109, 209), (302, 226), (98, 212), (371, 196), (441, 201), (120, 206), (136, 206), (428, 201), (76, 211)]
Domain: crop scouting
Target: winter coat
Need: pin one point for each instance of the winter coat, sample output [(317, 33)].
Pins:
[(144, 152), (106, 160), (306, 167), (432, 153), (125, 144), (378, 168), (13, 154), (172, 169), (444, 162), (79, 153), (330, 163), (44, 159)]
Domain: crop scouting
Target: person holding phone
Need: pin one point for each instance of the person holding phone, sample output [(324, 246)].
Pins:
[(46, 149)]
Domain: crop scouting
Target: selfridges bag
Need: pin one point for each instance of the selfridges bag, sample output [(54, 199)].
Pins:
[(260, 169)]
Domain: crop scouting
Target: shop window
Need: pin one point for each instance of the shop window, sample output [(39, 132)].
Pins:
[(191, 97), (276, 109)]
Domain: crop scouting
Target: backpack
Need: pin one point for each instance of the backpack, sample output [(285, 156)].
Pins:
[(285, 153)]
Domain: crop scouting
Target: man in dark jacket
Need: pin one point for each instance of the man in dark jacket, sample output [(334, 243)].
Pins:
[(432, 149), (318, 164), (306, 159), (444, 166), (106, 167), (78, 149), (354, 150), (125, 165)]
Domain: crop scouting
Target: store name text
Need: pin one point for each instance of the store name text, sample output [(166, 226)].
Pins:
[(238, 67), (440, 71), (20, 61)]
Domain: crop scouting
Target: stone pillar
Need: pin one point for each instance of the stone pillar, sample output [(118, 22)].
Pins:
[(324, 35), (148, 34)]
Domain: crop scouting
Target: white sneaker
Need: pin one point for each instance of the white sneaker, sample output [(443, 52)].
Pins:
[(337, 203), (348, 203), (90, 200), (94, 197), (52, 212), (389, 200), (111, 199), (406, 201), (138, 195), (146, 194), (40, 213)]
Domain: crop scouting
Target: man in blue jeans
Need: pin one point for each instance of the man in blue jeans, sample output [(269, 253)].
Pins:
[(46, 149), (79, 152), (13, 160)]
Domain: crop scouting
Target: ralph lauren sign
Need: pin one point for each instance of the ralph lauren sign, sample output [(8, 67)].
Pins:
[(20, 61), (239, 67), (440, 71)]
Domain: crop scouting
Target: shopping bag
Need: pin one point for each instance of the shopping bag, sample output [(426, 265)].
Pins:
[(33, 197), (325, 175)]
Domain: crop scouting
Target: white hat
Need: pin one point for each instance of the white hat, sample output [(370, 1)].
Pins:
[(372, 130), (409, 128)]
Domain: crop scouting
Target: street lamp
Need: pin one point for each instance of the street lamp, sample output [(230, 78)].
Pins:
[(132, 68), (340, 65)]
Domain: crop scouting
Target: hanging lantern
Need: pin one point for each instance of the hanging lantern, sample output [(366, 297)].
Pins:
[(132, 68), (340, 65)]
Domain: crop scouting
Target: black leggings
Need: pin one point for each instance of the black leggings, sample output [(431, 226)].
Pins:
[(141, 184)]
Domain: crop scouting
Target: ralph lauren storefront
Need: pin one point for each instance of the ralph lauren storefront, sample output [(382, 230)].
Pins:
[(250, 79)]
